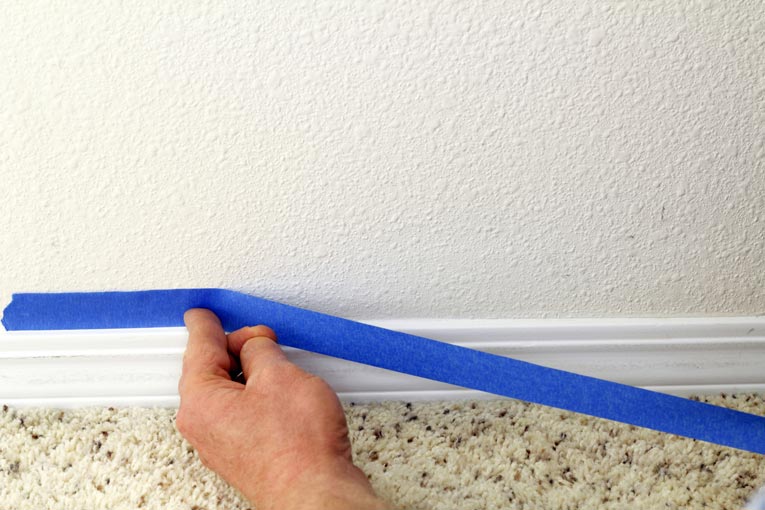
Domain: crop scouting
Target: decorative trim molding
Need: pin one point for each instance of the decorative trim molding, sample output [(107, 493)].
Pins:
[(141, 367)]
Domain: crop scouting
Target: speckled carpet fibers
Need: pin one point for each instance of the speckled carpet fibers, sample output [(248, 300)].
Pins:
[(446, 455)]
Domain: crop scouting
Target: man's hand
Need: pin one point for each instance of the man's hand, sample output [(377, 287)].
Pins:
[(281, 438)]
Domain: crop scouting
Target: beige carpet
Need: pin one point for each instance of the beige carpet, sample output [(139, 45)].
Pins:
[(449, 455)]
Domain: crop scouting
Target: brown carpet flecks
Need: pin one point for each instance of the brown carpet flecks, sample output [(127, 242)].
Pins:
[(420, 456)]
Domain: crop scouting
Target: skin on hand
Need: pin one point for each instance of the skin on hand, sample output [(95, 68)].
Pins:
[(281, 439)]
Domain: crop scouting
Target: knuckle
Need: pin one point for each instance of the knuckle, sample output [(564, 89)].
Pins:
[(274, 376), (182, 385), (207, 355), (246, 349), (282, 375), (271, 375), (182, 423), (250, 347), (188, 419)]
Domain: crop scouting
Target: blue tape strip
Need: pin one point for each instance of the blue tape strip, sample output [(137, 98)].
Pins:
[(396, 351)]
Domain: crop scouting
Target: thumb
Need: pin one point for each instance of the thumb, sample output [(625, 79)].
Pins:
[(258, 353)]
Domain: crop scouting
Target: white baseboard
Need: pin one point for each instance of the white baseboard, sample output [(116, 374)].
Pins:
[(141, 367)]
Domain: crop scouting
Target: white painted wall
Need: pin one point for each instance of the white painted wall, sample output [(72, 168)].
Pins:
[(390, 159)]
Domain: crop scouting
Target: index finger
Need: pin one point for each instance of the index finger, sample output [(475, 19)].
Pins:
[(206, 355)]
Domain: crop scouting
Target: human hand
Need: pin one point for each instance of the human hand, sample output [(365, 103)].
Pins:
[(282, 438)]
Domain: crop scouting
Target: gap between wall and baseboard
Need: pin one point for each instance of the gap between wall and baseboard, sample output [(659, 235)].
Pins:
[(141, 367)]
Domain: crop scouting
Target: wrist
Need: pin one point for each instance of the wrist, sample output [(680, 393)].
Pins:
[(335, 485)]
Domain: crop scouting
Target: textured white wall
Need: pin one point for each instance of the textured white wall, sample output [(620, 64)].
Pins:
[(390, 158)]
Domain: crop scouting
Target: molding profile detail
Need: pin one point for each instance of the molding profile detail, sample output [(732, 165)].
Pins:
[(141, 367)]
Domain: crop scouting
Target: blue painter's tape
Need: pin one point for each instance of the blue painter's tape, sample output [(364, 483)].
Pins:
[(392, 350)]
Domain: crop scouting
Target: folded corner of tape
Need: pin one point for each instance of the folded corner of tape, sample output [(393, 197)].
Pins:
[(393, 350)]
